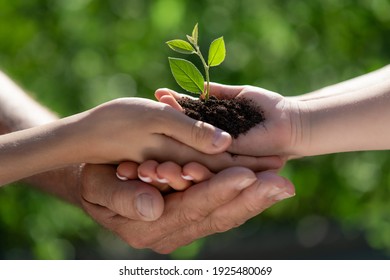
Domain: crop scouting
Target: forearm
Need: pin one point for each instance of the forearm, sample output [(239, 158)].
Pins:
[(62, 182), (356, 120), (38, 149), (19, 111), (345, 87)]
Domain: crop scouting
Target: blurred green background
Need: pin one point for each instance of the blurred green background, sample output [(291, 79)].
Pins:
[(74, 54)]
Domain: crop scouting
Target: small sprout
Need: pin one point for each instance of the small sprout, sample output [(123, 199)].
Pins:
[(185, 73)]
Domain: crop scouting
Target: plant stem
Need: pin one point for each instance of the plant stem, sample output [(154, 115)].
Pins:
[(206, 70)]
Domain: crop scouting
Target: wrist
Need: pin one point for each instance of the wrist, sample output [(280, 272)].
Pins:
[(64, 183), (73, 140), (300, 125)]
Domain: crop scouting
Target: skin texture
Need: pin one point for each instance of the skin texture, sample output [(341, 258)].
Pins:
[(227, 200), (350, 116), (299, 124), (274, 136), (137, 212)]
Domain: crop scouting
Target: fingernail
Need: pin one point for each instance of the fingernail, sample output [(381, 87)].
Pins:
[(144, 205), (145, 179), (162, 180), (220, 138), (187, 177), (122, 178), (283, 195)]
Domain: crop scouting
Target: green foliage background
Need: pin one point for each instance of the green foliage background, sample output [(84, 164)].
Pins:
[(74, 54)]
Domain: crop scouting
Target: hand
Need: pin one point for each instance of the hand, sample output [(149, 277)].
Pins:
[(277, 135), (225, 201), (138, 129)]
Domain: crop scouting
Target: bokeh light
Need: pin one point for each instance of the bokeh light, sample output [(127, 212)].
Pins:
[(72, 55)]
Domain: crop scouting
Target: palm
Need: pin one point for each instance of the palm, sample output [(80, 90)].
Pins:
[(272, 136)]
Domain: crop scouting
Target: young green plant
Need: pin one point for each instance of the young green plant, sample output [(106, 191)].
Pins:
[(186, 73)]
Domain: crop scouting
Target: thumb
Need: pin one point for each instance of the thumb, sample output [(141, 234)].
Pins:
[(199, 135), (132, 199)]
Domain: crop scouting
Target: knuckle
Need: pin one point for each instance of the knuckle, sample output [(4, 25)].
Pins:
[(254, 204), (192, 216), (199, 132), (220, 197), (252, 207), (118, 204)]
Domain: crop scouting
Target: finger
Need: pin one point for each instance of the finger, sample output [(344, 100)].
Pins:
[(171, 172), (198, 202), (165, 96), (127, 170), (268, 189), (169, 149), (169, 100), (196, 172), (161, 92), (132, 199), (201, 136), (221, 91), (147, 172)]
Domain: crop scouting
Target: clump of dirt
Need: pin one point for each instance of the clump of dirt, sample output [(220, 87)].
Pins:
[(235, 116)]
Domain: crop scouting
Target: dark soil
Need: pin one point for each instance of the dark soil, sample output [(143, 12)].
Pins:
[(235, 116)]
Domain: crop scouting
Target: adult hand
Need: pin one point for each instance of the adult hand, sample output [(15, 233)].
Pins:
[(165, 223), (279, 134)]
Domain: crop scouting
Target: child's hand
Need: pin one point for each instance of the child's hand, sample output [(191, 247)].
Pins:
[(164, 176)]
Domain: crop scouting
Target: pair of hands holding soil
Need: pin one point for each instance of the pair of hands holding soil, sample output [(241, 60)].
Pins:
[(75, 158), (349, 116), (223, 181), (215, 192)]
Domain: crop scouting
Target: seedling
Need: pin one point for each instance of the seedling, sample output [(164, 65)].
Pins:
[(186, 74), (234, 115)]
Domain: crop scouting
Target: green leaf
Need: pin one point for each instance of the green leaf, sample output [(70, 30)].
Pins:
[(187, 75), (191, 40), (217, 52), (195, 34), (181, 46)]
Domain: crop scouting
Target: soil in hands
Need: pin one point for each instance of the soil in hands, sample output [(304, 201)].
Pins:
[(235, 116)]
